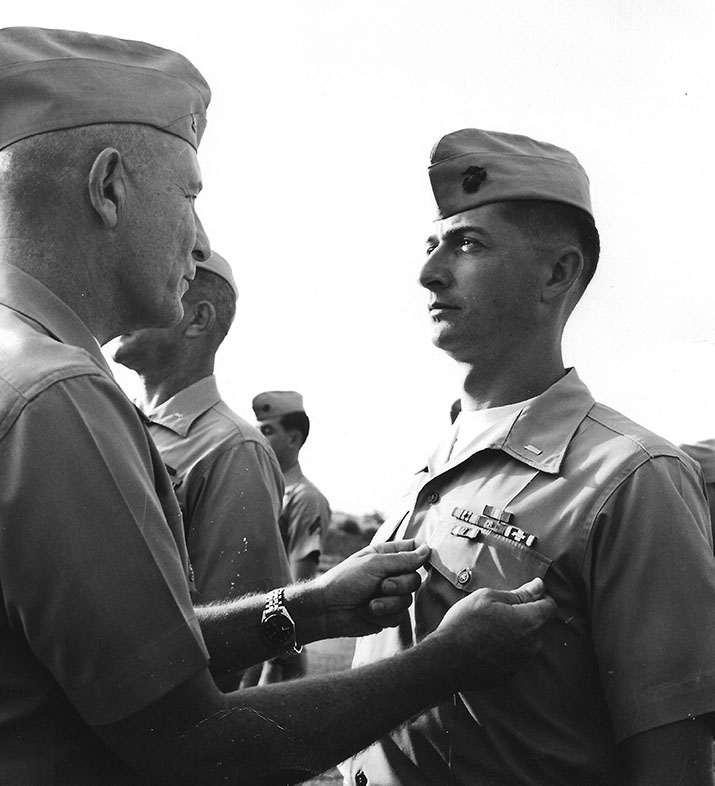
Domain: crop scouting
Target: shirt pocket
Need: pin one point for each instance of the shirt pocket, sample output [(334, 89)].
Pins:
[(460, 565)]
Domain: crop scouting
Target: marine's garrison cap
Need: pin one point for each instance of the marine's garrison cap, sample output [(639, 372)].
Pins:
[(218, 265), (275, 403), (58, 79), (469, 168)]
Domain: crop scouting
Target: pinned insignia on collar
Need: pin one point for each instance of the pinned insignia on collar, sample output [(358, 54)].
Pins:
[(474, 176)]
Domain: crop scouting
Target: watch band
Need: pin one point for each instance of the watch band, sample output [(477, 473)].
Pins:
[(275, 607)]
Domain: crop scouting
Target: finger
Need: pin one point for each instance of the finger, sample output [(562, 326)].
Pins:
[(405, 584)]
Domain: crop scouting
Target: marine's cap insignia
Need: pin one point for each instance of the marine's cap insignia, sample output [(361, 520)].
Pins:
[(474, 176)]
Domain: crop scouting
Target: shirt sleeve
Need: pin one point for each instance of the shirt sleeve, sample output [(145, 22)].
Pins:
[(91, 573), (650, 572), (233, 500), (307, 516)]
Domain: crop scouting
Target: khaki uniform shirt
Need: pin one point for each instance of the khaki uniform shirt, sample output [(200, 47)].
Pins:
[(230, 486), (96, 621), (613, 518), (305, 517)]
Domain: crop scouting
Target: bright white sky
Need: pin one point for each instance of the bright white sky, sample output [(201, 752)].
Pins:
[(315, 189)]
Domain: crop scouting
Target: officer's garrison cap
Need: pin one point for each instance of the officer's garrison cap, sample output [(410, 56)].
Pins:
[(471, 167), (58, 79)]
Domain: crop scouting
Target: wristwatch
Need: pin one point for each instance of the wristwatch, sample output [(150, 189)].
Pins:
[(277, 626)]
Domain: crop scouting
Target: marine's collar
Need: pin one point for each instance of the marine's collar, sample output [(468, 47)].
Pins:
[(539, 434)]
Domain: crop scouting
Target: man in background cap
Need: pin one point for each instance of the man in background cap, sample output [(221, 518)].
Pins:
[(103, 659), (535, 478), (225, 476), (305, 516), (305, 513)]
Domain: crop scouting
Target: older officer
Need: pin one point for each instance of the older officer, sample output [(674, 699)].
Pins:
[(103, 660), (537, 478)]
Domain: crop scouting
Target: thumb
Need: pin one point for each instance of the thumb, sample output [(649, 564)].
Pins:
[(403, 561), (527, 593)]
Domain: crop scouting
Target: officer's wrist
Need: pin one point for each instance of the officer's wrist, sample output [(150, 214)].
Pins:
[(306, 603)]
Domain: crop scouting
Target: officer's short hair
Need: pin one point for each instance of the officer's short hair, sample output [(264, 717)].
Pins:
[(542, 218)]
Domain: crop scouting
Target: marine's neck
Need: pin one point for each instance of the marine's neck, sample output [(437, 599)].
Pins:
[(507, 382)]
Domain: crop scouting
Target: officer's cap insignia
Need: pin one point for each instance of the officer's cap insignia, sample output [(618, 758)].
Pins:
[(474, 176)]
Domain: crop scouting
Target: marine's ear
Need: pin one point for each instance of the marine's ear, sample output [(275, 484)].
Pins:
[(565, 268), (106, 186)]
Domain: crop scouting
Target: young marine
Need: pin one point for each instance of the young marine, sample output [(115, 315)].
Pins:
[(536, 478)]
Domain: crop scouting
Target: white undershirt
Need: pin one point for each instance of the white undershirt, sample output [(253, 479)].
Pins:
[(472, 423)]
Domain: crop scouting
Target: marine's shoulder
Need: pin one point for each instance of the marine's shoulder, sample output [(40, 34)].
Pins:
[(615, 447), (608, 425)]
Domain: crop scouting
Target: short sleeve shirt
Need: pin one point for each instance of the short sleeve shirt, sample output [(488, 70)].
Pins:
[(305, 517), (613, 518), (90, 533), (229, 486)]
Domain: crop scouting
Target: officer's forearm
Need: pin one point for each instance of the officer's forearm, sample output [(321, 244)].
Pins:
[(232, 630)]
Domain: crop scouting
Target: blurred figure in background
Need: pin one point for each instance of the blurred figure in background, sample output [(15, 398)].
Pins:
[(305, 517), (225, 476)]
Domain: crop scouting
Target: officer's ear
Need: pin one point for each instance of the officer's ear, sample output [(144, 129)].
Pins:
[(564, 272), (202, 318), (106, 186)]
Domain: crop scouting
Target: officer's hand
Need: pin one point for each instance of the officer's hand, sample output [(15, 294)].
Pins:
[(490, 634), (371, 589)]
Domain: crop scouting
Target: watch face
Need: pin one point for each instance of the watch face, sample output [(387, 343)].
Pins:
[(278, 630)]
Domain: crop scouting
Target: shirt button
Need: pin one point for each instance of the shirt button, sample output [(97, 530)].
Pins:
[(464, 576), (432, 497), (360, 778)]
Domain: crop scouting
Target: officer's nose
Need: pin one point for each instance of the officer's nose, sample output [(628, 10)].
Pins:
[(435, 271)]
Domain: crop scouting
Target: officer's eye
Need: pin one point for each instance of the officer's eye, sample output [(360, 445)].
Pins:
[(470, 243)]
